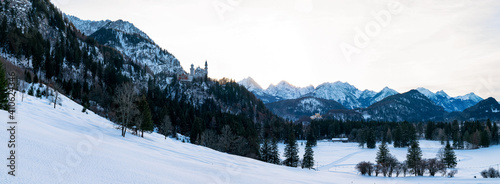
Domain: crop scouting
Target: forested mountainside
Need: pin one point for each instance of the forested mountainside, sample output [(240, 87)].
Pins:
[(45, 47)]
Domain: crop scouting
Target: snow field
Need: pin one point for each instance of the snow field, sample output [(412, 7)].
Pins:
[(64, 145)]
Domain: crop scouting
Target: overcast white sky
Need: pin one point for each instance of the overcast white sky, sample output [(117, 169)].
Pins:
[(453, 45)]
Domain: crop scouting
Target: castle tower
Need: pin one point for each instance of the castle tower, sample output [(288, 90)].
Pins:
[(192, 70), (206, 66)]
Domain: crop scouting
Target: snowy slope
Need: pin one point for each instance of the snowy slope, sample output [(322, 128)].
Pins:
[(64, 145)]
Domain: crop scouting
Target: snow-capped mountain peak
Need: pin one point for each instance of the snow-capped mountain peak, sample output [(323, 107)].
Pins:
[(387, 90), (366, 94), (250, 84), (87, 27), (125, 27), (132, 42), (442, 93), (282, 84), (383, 94), (341, 92), (450, 104), (287, 91), (429, 94), (471, 96), (351, 97)]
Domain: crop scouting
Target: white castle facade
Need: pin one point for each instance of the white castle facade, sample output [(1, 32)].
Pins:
[(194, 73)]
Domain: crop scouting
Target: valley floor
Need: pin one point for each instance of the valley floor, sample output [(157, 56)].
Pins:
[(65, 145)]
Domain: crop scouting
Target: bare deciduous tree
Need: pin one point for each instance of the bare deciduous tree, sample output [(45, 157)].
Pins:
[(124, 98), (57, 88)]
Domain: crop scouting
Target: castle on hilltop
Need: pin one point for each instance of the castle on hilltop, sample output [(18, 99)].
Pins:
[(194, 73)]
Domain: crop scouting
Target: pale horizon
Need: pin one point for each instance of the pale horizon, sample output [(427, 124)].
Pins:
[(446, 45)]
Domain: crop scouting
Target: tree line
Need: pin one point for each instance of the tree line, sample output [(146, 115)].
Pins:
[(463, 135), (387, 164)]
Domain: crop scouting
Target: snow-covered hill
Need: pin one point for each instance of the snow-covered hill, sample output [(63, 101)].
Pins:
[(65, 145)]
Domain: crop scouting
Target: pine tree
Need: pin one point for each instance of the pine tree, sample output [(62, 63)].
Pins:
[(38, 93), (35, 79), (4, 94), (310, 138), (429, 129), (485, 138), (3, 31), (388, 136), (274, 155), (494, 133), (414, 157), (409, 134), (308, 161), (449, 158), (383, 156), (27, 76), (147, 122), (370, 139), (30, 91), (291, 151), (265, 151), (398, 140)]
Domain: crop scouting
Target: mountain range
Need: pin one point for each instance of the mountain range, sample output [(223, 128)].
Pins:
[(414, 106), (340, 100), (451, 104), (350, 96), (92, 57), (285, 99), (342, 92)]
